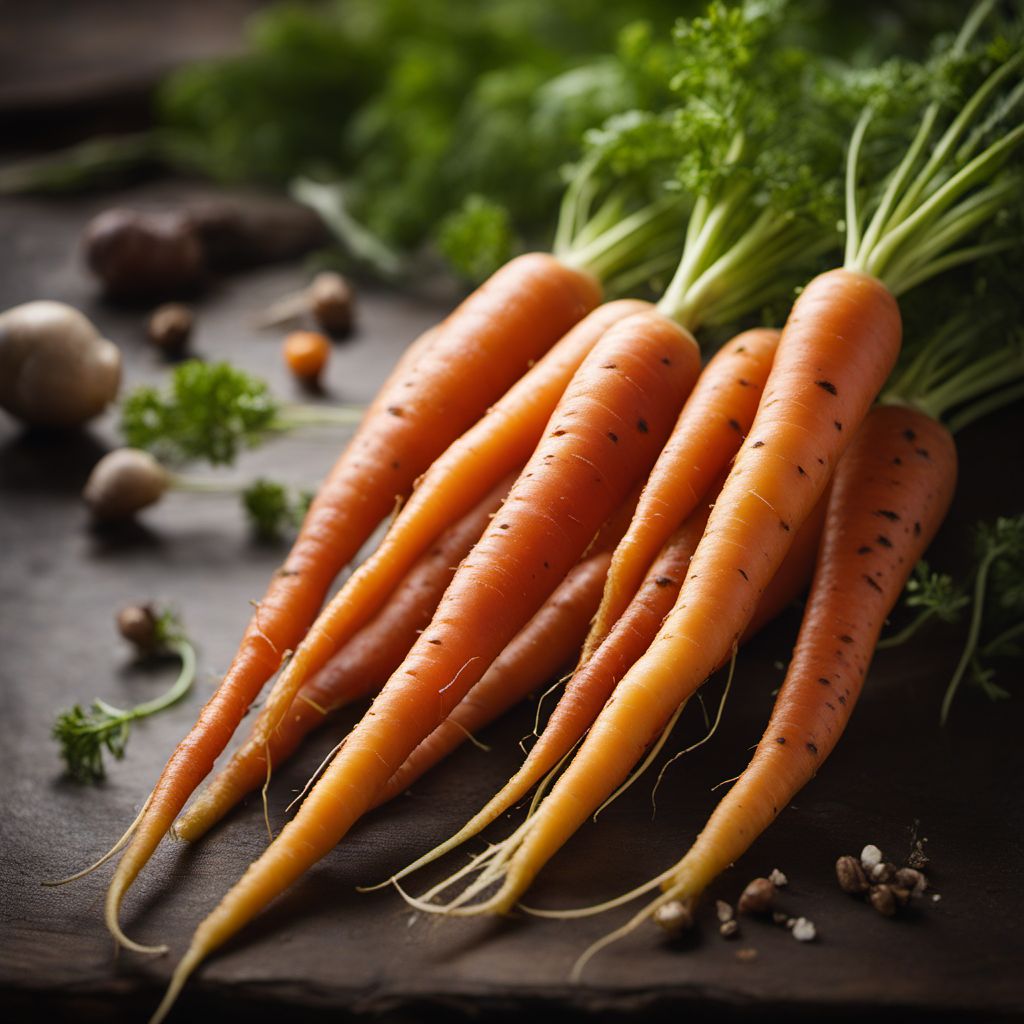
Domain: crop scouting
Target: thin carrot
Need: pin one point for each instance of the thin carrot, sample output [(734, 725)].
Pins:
[(498, 443), (549, 642), (711, 427), (891, 492), (475, 354), (603, 436), (593, 682), (838, 346), (357, 670)]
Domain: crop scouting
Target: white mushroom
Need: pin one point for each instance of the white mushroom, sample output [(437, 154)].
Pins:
[(55, 368)]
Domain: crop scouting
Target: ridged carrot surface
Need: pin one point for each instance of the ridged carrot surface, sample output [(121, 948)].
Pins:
[(359, 669), (711, 428), (891, 492), (837, 349), (429, 400), (603, 437)]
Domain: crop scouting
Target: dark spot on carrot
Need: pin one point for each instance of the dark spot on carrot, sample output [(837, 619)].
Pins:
[(612, 436), (784, 525), (917, 529), (837, 424), (846, 638), (741, 348), (780, 739), (923, 452), (830, 705), (909, 434), (897, 461), (743, 574), (864, 549), (395, 464), (871, 583), (641, 425), (735, 426), (842, 699), (610, 366), (396, 410), (663, 581), (821, 461), (884, 541), (437, 643), (666, 361), (757, 444), (504, 526), (547, 565), (801, 470), (812, 748), (827, 385), (823, 681), (886, 513), (743, 383)]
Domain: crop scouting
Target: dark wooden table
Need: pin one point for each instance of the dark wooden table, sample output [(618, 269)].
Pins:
[(326, 952)]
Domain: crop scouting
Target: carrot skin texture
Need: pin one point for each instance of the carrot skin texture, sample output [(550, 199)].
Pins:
[(358, 670), (710, 429), (605, 433), (516, 316), (500, 442), (594, 681), (891, 492), (837, 349)]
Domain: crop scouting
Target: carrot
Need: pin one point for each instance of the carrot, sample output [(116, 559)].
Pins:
[(838, 346), (594, 681), (475, 354), (891, 492), (357, 670), (713, 423), (544, 646), (604, 434)]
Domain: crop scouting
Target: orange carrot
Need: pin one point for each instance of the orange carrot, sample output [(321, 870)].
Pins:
[(543, 647), (838, 346), (494, 446), (357, 670), (431, 397), (891, 492), (594, 681), (604, 435), (712, 425)]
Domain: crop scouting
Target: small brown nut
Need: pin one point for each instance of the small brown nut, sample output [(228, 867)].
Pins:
[(729, 929), (883, 873), (723, 910), (901, 895), (137, 624), (331, 302), (170, 327), (851, 875), (674, 916), (883, 899), (758, 897), (912, 879)]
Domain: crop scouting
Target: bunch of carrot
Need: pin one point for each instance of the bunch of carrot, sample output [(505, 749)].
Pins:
[(599, 492)]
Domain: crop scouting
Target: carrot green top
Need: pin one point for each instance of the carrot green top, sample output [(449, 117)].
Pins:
[(940, 205)]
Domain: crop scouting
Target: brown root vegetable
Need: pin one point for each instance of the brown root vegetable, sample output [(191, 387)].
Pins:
[(123, 482), (170, 328), (55, 368), (162, 254)]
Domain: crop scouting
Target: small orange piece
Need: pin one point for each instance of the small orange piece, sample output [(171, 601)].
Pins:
[(306, 354)]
